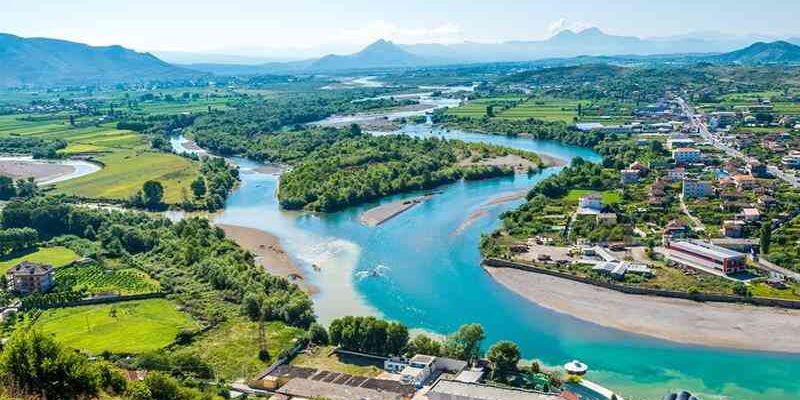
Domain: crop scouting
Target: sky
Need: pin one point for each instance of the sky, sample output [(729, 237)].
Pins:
[(303, 27)]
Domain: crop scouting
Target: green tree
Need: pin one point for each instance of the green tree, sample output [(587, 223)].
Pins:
[(37, 365), (7, 189), (162, 386), (424, 344), (152, 193), (766, 237), (317, 334), (504, 356), (465, 344), (199, 187)]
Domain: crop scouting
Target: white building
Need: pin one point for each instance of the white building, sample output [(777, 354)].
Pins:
[(592, 203), (693, 188), (675, 143), (676, 174), (628, 176), (686, 155)]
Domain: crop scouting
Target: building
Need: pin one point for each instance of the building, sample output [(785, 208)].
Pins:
[(693, 188), (418, 370), (607, 219), (445, 389), (592, 203), (676, 143), (589, 126), (756, 169), (395, 364), (686, 155), (628, 176), (695, 252), (750, 214), (733, 229), (792, 160), (29, 277), (676, 174), (744, 182)]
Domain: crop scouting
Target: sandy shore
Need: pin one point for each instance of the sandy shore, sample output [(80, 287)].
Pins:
[(269, 253), (39, 171), (380, 214), (551, 161), (710, 324)]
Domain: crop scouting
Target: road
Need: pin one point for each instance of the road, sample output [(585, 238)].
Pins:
[(703, 131)]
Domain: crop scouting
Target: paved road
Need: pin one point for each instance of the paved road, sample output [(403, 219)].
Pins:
[(702, 129)]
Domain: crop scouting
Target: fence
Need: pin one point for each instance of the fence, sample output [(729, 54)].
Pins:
[(705, 297), (103, 300)]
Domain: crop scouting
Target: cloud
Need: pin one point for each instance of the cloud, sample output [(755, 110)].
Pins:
[(563, 24), (447, 32)]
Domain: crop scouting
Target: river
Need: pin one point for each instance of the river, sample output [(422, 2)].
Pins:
[(422, 268)]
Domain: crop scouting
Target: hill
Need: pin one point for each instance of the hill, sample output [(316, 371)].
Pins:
[(46, 62), (380, 54), (779, 52)]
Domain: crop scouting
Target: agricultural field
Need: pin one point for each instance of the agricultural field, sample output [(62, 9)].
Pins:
[(545, 109), (96, 279), (477, 108), (126, 156), (232, 347), (126, 327), (55, 256)]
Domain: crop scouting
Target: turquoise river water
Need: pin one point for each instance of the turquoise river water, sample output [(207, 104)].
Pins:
[(422, 268)]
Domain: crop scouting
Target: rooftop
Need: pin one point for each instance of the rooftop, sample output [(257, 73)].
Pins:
[(446, 388), (30, 268), (708, 249)]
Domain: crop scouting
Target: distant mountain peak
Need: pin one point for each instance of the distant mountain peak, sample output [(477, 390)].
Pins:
[(593, 31), (379, 54), (779, 51)]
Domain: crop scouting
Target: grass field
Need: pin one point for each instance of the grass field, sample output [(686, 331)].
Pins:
[(127, 158), (608, 197), (232, 347), (55, 256), (322, 358), (139, 326), (477, 108)]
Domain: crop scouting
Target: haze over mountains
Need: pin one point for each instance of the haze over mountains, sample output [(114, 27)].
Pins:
[(39, 61), (43, 62)]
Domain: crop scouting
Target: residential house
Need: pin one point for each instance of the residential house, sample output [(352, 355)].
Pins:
[(733, 228), (744, 182), (607, 219), (28, 277), (628, 176), (686, 155), (694, 188), (676, 174)]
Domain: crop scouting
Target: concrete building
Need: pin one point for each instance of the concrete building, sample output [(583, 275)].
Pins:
[(607, 219), (686, 155), (695, 252), (750, 214), (628, 176), (792, 160), (756, 169), (693, 188), (676, 174), (679, 142), (744, 182), (445, 389), (732, 229), (28, 277), (590, 204)]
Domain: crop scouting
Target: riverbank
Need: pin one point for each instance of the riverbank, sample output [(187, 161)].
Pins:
[(269, 253), (382, 213), (726, 325), (45, 172)]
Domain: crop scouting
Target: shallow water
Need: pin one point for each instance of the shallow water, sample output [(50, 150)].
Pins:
[(427, 275)]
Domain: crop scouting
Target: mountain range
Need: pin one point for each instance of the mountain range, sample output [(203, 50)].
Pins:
[(40, 61), (565, 44), (51, 62)]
